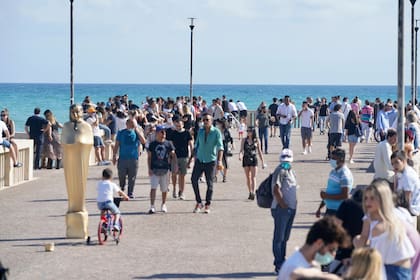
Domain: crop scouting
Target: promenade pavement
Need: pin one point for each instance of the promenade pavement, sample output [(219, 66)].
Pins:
[(232, 242)]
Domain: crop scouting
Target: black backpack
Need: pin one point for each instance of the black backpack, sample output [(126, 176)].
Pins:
[(264, 193)]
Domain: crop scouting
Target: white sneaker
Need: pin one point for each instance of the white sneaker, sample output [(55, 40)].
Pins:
[(182, 196), (152, 210), (310, 149), (351, 161), (164, 208), (304, 152), (174, 194)]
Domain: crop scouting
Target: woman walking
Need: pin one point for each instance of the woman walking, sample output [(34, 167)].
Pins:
[(353, 130), (249, 149), (52, 144), (227, 139)]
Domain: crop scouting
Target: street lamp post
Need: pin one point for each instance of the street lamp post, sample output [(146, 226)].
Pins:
[(400, 128), (191, 56), (413, 94), (71, 54)]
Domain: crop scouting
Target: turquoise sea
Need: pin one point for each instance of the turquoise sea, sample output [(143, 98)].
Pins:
[(22, 98)]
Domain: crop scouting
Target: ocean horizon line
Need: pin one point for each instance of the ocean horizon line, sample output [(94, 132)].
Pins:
[(203, 84)]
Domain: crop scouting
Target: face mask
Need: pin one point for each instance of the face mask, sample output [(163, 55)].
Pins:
[(333, 163), (286, 165), (200, 124), (324, 259)]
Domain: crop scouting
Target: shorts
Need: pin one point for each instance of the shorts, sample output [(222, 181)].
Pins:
[(5, 143), (182, 166), (97, 142), (110, 205), (334, 140), (353, 138), (161, 180), (243, 113), (306, 133)]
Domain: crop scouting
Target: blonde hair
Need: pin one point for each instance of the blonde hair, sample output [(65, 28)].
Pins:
[(382, 192), (366, 264)]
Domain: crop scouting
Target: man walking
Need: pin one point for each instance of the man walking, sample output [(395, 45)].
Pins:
[(335, 122), (208, 150), (307, 119), (286, 112), (283, 207), (35, 127), (128, 145), (183, 143)]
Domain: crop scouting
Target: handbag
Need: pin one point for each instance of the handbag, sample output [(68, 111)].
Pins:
[(358, 131)]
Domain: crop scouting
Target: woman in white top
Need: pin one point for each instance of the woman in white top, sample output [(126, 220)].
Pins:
[(383, 231)]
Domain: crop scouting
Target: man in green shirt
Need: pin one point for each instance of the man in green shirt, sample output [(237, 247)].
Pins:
[(208, 151)]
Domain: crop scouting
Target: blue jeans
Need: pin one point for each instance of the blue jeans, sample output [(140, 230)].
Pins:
[(38, 141), (285, 135), (283, 221), (208, 169), (106, 130), (263, 133), (397, 272)]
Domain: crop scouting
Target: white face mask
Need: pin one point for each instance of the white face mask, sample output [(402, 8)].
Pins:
[(200, 124), (333, 163), (324, 259)]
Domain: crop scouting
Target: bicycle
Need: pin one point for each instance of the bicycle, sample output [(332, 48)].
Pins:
[(106, 225)]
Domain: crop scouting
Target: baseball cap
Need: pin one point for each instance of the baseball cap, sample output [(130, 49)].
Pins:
[(160, 128), (286, 155)]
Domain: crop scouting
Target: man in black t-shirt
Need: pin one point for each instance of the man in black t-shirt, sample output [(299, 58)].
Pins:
[(273, 120), (35, 126), (183, 142)]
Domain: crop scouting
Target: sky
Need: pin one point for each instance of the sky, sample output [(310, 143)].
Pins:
[(235, 41)]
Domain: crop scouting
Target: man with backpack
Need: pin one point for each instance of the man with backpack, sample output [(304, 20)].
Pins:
[(283, 207)]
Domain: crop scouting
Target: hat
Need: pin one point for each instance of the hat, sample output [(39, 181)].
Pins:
[(160, 128), (91, 109), (286, 155)]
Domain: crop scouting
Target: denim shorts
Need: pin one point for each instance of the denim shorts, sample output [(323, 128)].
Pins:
[(110, 205), (97, 141), (353, 138), (397, 272), (5, 143)]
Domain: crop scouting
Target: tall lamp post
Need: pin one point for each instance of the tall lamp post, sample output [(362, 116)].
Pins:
[(413, 93), (71, 55), (416, 29), (191, 56), (400, 128)]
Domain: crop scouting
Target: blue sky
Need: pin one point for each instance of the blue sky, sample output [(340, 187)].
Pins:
[(235, 41)]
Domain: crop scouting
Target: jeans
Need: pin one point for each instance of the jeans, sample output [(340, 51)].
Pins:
[(106, 130), (38, 141), (263, 133), (199, 168), (285, 134), (397, 272), (322, 123), (127, 168), (283, 221)]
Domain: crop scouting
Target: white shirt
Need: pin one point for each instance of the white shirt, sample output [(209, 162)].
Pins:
[(409, 181), (241, 106), (306, 116), (297, 260), (106, 190), (382, 161), (3, 127), (232, 107), (95, 128), (287, 110)]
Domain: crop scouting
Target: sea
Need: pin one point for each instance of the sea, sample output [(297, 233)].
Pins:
[(21, 98)]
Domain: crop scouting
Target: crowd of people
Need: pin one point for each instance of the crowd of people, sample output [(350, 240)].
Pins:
[(178, 134)]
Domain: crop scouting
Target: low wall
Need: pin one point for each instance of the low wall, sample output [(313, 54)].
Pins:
[(10, 176)]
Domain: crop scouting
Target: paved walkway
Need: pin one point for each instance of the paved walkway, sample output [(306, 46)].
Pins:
[(233, 242)]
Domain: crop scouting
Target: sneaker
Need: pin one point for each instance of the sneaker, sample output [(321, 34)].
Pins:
[(131, 196), (174, 194), (18, 164), (116, 228), (351, 161), (207, 209), (224, 179), (310, 149), (304, 152), (152, 210), (164, 208), (181, 196), (108, 142), (249, 196), (197, 208), (252, 196)]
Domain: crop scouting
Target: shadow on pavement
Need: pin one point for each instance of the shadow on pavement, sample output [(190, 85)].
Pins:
[(238, 275)]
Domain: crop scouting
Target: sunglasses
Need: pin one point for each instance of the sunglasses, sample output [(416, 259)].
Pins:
[(206, 120), (3, 115)]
